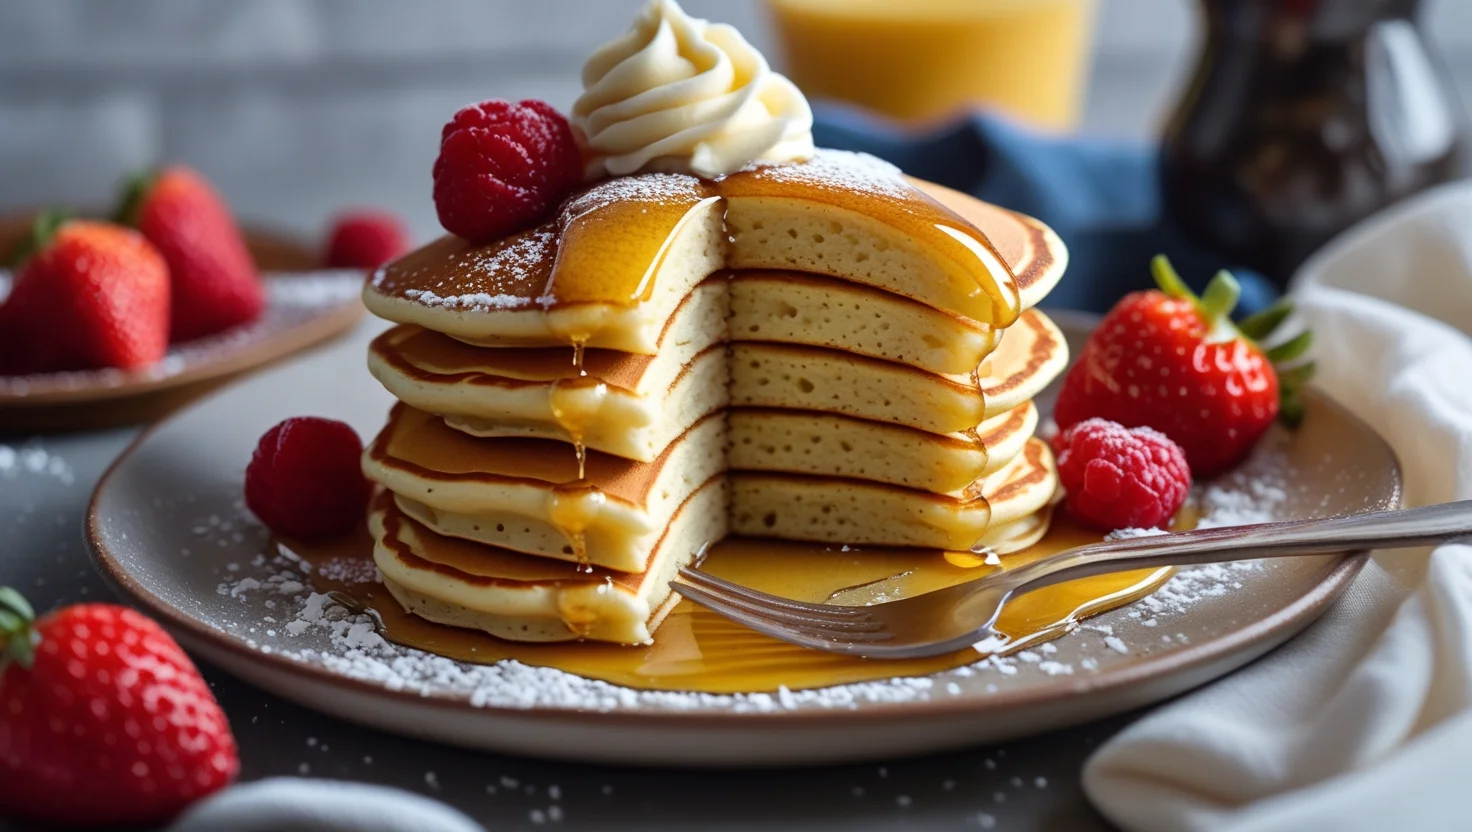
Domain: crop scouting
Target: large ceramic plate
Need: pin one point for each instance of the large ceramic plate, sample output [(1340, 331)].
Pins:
[(167, 526)]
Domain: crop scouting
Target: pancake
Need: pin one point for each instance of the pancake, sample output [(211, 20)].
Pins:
[(645, 241), (648, 401), (801, 442), (1037, 256), (624, 404), (836, 510), (1009, 538), (798, 308), (616, 261), (513, 596), (1031, 355), (525, 494)]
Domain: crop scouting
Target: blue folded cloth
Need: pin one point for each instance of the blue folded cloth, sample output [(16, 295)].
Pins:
[(1100, 196)]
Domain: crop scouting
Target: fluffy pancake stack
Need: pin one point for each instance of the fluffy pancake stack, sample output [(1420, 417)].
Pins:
[(822, 350)]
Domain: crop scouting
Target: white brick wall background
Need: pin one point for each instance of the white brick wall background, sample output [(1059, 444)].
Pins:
[(297, 108)]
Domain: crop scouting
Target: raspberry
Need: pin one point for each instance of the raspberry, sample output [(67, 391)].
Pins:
[(306, 480), (502, 167), (1118, 478), (365, 240)]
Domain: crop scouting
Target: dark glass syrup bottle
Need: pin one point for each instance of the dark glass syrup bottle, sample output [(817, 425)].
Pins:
[(1302, 117)]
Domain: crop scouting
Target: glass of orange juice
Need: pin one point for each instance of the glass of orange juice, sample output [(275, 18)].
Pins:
[(917, 60)]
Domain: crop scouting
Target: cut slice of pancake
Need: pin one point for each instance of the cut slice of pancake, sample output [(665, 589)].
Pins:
[(798, 308), (835, 510), (611, 268), (1031, 354), (525, 494), (608, 271), (802, 442), (852, 216), (625, 404), (523, 598)]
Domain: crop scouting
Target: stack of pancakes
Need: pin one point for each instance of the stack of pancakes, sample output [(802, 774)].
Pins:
[(822, 351)]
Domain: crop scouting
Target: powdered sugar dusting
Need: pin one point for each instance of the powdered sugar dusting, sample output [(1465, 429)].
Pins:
[(649, 188), (508, 275), (840, 170), (350, 571)]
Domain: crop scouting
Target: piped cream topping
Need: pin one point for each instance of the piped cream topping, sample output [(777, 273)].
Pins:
[(683, 95)]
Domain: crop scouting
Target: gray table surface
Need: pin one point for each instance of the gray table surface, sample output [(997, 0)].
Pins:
[(1028, 785)]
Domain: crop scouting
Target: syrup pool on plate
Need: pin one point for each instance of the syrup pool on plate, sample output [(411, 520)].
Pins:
[(697, 650)]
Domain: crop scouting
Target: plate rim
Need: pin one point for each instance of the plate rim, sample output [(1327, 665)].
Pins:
[(333, 321), (1298, 614)]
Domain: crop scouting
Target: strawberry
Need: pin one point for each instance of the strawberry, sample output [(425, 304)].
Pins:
[(1174, 362), (214, 280), (88, 294), (103, 719), (365, 240)]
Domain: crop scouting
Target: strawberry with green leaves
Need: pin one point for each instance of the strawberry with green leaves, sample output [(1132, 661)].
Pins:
[(215, 285), (87, 294), (103, 719), (1172, 361)]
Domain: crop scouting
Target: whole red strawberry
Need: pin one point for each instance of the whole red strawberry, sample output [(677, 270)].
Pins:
[(306, 479), (89, 294), (502, 167), (1172, 361), (1121, 478), (365, 240), (103, 719), (215, 286)]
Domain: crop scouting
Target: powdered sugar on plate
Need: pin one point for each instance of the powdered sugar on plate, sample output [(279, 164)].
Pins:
[(311, 627)]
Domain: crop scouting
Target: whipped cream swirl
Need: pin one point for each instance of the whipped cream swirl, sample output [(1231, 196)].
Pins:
[(678, 94)]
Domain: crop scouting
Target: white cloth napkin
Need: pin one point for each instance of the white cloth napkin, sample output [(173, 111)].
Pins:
[(1364, 721)]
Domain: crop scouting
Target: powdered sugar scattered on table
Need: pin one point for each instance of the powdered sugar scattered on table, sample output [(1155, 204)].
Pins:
[(317, 630), (32, 459), (291, 301)]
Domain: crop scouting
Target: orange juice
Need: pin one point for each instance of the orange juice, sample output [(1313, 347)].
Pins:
[(923, 59)]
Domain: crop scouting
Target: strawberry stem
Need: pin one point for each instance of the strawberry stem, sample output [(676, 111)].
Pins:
[(135, 190), (42, 230), (1262, 324), (17, 635), (1168, 279), (1293, 348), (1215, 305), (1221, 296)]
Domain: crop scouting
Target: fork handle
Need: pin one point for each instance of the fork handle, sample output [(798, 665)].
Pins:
[(1402, 528)]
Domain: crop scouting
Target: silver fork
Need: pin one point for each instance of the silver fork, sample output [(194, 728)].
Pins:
[(950, 619)]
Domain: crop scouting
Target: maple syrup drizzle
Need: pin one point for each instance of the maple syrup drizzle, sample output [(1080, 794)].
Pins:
[(697, 650), (573, 508), (608, 244)]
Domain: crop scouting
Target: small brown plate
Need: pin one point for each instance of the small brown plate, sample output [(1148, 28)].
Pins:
[(303, 309)]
